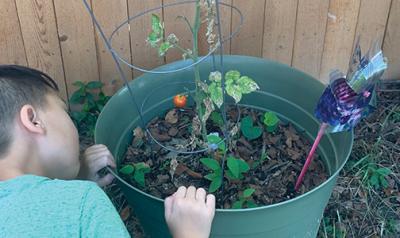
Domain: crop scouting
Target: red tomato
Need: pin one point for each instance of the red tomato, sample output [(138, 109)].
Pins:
[(180, 101)]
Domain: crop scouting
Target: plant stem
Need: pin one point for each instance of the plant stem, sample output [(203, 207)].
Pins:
[(197, 79)]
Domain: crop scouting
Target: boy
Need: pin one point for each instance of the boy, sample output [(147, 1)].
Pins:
[(39, 151)]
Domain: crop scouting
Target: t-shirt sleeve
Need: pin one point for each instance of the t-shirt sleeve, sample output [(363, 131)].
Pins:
[(99, 217)]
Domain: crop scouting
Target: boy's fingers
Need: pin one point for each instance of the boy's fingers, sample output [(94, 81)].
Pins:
[(111, 162), (181, 192), (102, 157), (168, 203), (92, 153), (106, 180), (201, 195), (191, 192), (210, 202), (95, 148)]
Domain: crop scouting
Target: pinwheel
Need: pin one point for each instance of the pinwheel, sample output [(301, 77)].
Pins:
[(348, 98)]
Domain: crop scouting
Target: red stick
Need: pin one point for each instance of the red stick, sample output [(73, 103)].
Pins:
[(310, 156)]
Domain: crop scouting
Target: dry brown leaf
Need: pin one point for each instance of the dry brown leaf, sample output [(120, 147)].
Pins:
[(125, 213), (171, 117)]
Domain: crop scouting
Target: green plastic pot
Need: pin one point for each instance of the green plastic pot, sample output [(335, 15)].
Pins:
[(284, 90)]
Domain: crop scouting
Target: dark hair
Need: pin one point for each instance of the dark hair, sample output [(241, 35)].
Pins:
[(19, 86)]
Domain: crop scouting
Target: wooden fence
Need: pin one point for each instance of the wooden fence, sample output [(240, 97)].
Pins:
[(58, 36)]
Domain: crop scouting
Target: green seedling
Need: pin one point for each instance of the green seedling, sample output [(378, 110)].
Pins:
[(216, 142), (216, 176), (250, 131), (376, 177), (236, 168), (271, 121), (245, 200), (136, 171)]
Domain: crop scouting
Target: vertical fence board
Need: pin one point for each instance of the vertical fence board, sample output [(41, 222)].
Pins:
[(39, 31), (391, 45), (110, 15), (250, 38), (310, 34), (11, 45), (279, 29), (179, 27), (371, 23), (342, 21), (142, 54), (58, 36), (77, 42)]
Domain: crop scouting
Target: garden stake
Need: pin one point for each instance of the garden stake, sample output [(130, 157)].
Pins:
[(310, 156)]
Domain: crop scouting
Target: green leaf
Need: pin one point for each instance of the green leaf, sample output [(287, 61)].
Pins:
[(247, 85), (214, 139), (127, 169), (212, 176), (216, 117), (164, 47), (233, 166), (143, 167), (215, 76), (246, 122), (232, 75), (251, 204), (237, 205), (384, 171), (248, 130), (156, 25), (79, 84), (384, 182), (215, 184), (76, 98), (374, 180), (216, 95), (234, 91), (138, 176), (271, 121), (229, 175), (211, 163), (264, 156), (78, 116), (248, 192), (86, 107), (243, 166), (153, 39), (94, 85)]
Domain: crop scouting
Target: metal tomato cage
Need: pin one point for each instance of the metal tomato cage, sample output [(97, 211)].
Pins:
[(119, 61)]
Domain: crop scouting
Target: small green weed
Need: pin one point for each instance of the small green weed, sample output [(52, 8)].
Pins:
[(137, 172), (91, 99), (271, 121), (250, 131), (216, 176), (245, 200)]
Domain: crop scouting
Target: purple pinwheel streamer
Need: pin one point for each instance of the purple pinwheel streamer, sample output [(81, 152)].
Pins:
[(348, 99)]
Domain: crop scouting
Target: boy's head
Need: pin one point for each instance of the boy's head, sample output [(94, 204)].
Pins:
[(35, 118)]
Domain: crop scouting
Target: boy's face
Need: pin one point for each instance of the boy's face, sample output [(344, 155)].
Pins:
[(60, 145)]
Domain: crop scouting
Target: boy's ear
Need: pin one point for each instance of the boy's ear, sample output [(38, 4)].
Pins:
[(30, 120)]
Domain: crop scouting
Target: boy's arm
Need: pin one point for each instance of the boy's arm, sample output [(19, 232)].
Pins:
[(99, 217), (94, 159)]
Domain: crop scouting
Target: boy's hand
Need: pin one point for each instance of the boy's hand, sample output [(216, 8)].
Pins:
[(94, 159), (189, 213)]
